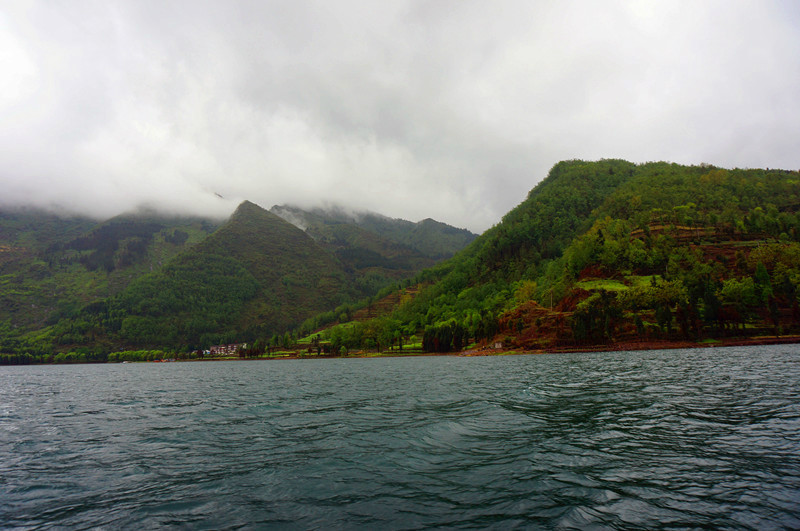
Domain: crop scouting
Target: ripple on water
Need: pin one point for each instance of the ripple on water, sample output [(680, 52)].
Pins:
[(694, 438)]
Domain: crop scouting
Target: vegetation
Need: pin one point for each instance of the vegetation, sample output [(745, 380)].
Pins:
[(51, 267), (428, 238), (599, 255), (610, 252), (150, 282)]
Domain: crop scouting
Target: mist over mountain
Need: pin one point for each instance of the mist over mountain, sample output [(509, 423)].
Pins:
[(612, 254), (432, 238), (597, 254), (417, 110), (148, 279)]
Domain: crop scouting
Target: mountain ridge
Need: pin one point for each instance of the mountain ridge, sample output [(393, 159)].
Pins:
[(598, 254), (432, 238), (103, 285), (610, 253)]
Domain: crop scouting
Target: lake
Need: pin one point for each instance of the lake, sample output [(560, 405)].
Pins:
[(681, 438)]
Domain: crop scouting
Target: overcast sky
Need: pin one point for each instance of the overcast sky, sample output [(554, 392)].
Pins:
[(445, 109)]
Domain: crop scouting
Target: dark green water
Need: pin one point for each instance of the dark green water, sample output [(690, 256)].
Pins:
[(669, 439)]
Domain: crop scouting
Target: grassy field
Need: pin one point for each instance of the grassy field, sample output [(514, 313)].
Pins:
[(606, 284)]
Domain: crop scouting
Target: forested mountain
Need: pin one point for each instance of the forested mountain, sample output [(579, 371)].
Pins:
[(146, 280), (255, 274), (35, 230), (51, 266), (599, 254), (610, 251), (373, 260), (429, 238)]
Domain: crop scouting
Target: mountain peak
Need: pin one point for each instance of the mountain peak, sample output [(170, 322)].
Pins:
[(247, 207), (248, 212)]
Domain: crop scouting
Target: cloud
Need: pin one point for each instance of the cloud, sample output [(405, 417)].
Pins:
[(451, 110)]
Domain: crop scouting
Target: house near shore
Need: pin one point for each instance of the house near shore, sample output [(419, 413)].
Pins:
[(225, 350)]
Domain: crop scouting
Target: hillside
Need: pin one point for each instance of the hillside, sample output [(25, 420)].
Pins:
[(605, 254), (51, 266), (253, 275), (610, 252), (428, 238), (374, 261), (144, 280), (296, 276), (35, 230)]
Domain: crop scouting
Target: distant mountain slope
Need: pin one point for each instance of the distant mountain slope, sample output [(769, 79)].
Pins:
[(431, 238), (295, 274), (50, 266), (373, 260), (148, 280), (437, 239), (255, 274), (36, 229)]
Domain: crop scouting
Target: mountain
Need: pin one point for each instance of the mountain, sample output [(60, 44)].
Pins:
[(145, 280), (295, 275), (610, 252), (374, 261), (255, 274), (598, 255), (51, 266), (429, 238), (35, 230)]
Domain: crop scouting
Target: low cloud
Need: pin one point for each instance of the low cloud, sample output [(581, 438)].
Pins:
[(449, 110)]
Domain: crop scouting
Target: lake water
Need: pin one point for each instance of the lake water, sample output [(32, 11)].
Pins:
[(687, 438)]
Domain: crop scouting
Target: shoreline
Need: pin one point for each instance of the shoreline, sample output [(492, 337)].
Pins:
[(626, 346), (629, 346), (633, 346)]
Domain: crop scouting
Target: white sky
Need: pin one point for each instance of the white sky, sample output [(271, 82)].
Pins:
[(446, 109)]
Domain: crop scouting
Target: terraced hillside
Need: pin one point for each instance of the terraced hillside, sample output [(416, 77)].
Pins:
[(609, 252)]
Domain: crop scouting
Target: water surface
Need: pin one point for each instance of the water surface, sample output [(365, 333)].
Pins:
[(688, 438)]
